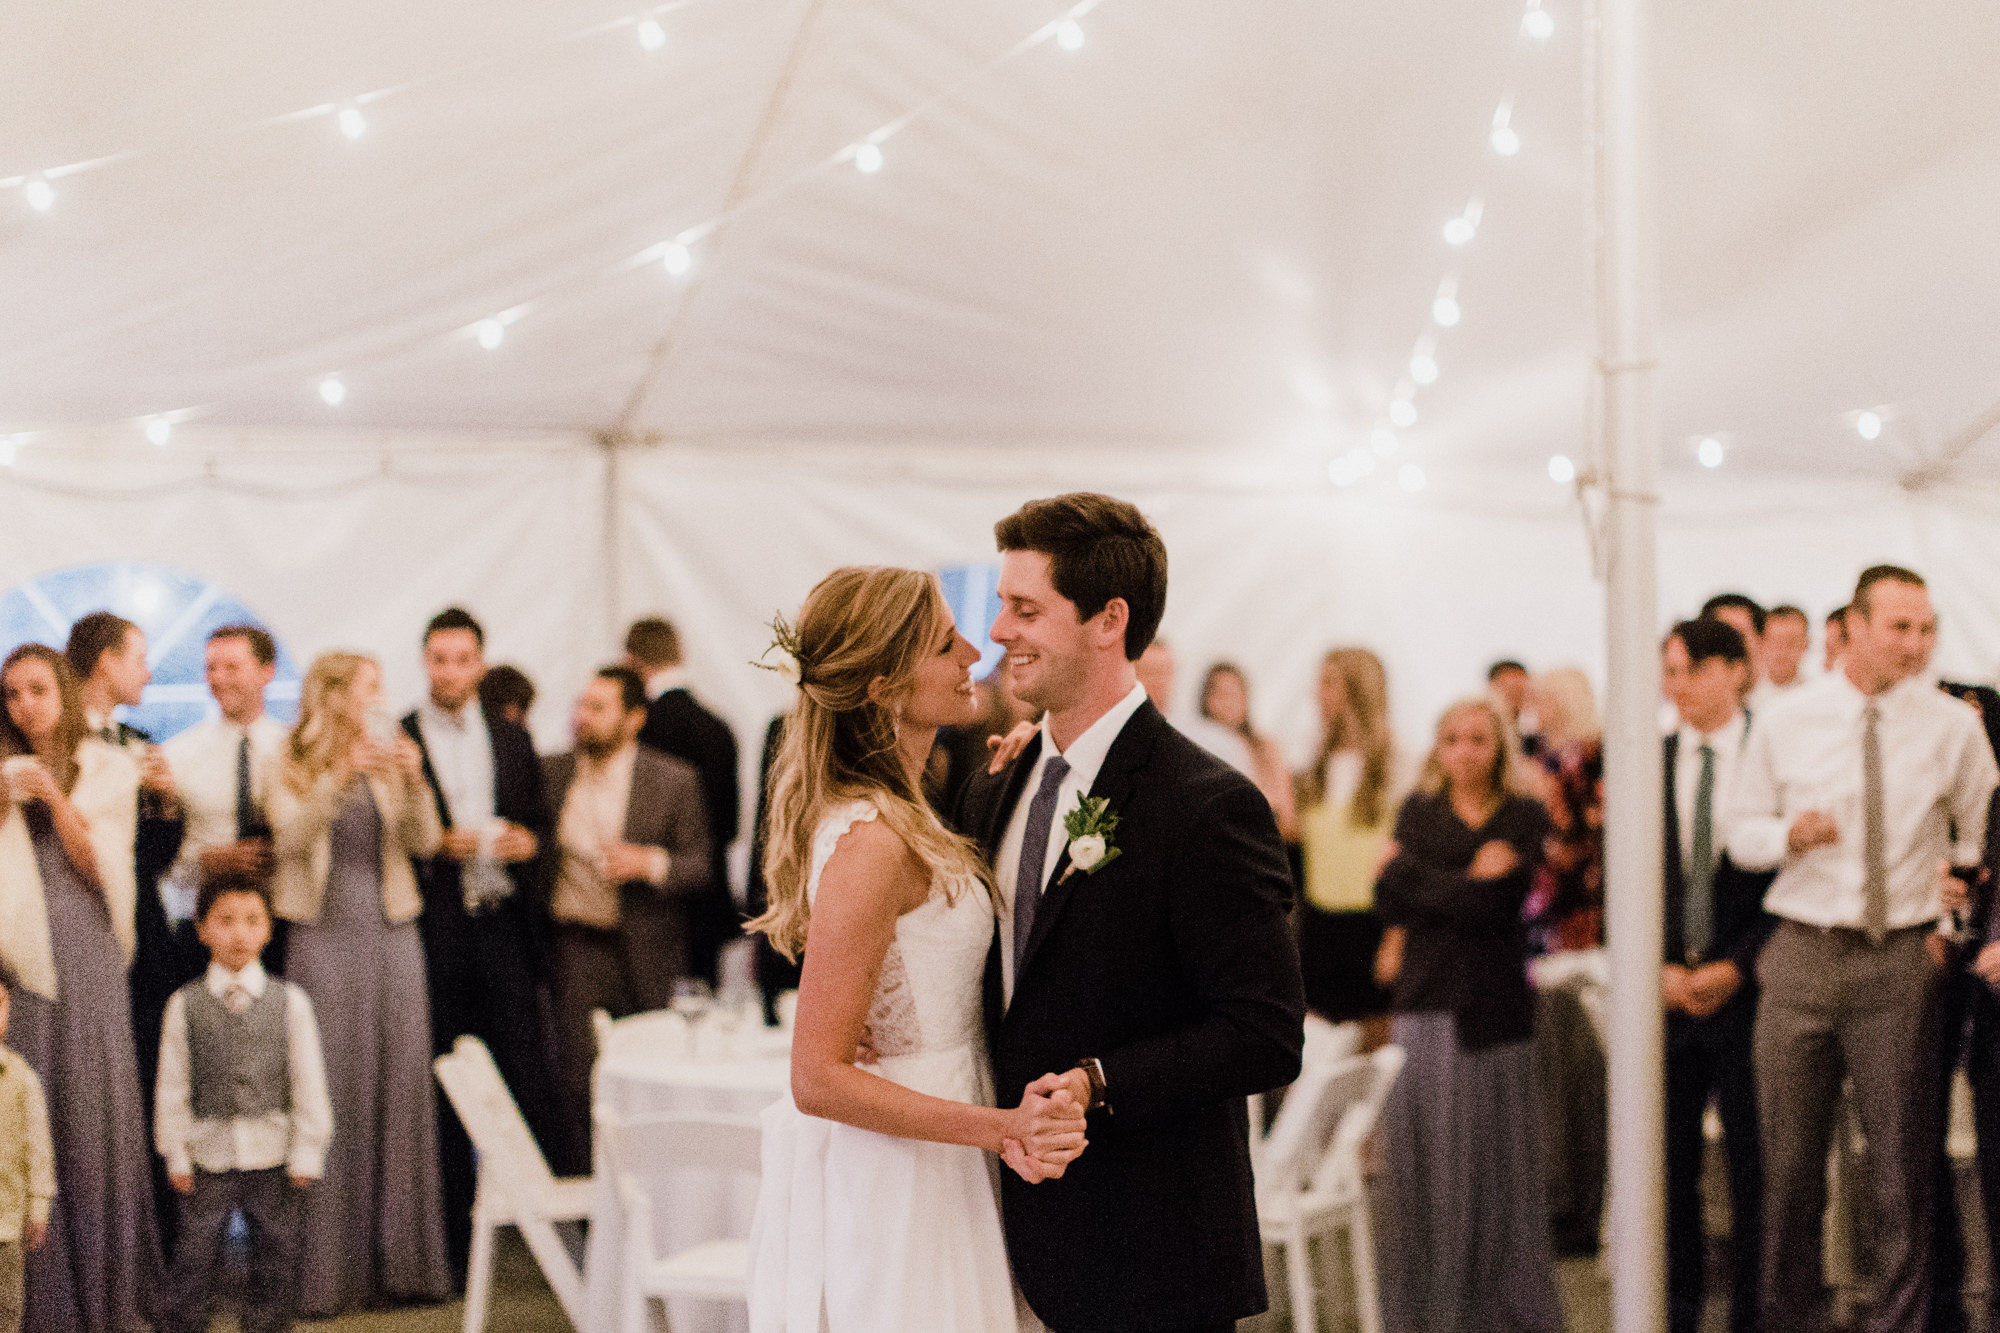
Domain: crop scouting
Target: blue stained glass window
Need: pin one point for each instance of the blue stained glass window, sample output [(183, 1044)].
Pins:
[(175, 609), (972, 592)]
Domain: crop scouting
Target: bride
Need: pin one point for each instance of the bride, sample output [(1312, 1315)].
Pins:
[(878, 1210)]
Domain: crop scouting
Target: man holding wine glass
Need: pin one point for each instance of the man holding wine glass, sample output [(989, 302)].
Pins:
[(630, 856)]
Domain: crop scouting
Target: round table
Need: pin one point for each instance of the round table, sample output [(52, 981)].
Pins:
[(646, 1076)]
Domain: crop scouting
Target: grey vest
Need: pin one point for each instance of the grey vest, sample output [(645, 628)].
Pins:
[(239, 1064)]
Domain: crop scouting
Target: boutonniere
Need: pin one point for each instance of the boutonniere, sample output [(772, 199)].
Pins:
[(1090, 827)]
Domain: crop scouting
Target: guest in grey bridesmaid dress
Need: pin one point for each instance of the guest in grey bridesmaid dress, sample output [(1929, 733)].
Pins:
[(101, 1261), (347, 815)]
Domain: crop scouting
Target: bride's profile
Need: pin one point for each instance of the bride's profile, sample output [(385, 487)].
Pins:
[(878, 1210)]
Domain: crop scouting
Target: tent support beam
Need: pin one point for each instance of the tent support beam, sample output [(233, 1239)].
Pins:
[(1627, 315)]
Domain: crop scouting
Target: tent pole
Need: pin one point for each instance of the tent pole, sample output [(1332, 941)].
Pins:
[(1627, 312)]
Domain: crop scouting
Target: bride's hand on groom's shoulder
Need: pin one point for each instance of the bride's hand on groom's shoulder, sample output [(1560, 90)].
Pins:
[(1006, 749), (1045, 1132)]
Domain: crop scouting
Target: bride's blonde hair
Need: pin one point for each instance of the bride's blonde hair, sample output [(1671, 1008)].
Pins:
[(857, 626)]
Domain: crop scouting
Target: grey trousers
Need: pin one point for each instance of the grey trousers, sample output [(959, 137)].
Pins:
[(12, 1285), (1834, 1006), (275, 1211), (593, 971)]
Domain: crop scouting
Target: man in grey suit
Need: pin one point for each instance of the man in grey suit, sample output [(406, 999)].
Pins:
[(629, 858)]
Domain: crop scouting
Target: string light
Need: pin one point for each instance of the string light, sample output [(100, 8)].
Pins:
[(1505, 141), (1537, 24), (1708, 451), (1461, 229), (1868, 425), (1402, 412), (1411, 478), (158, 431), (676, 256), (7, 450), (1561, 470), (1424, 368), (1383, 441), (1444, 310)]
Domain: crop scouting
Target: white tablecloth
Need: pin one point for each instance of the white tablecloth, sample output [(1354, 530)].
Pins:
[(688, 1207)]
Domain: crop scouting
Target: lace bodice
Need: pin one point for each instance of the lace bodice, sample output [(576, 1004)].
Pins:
[(928, 998)]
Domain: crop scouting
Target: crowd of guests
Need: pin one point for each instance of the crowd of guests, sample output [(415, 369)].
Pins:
[(231, 957)]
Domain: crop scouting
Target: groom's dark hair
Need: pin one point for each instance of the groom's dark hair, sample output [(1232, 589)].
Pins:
[(1098, 548)]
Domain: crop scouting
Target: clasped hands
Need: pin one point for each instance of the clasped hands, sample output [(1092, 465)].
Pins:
[(1045, 1133), (511, 845), (1699, 991)]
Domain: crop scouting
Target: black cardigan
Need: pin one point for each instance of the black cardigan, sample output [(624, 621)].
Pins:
[(1466, 949)]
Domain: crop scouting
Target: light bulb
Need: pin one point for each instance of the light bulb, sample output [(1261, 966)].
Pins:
[(1403, 412), (332, 392), (1561, 470), (1537, 23), (1411, 478), (1445, 311), (1424, 368), (651, 35), (1459, 232), (491, 333), (158, 431), (868, 159), (40, 194), (1505, 141), (1708, 451), (1868, 425), (352, 123), (676, 258), (1383, 441), (1069, 35)]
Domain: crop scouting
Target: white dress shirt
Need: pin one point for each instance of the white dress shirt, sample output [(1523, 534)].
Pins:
[(1727, 742), (203, 760), (461, 751), (295, 1139), (1085, 756), (1804, 753)]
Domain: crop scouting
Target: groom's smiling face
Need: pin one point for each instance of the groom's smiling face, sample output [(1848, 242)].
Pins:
[(1048, 648)]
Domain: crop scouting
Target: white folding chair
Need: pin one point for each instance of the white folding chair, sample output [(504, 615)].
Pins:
[(1311, 1190), (715, 1270), (1326, 1045), (516, 1187)]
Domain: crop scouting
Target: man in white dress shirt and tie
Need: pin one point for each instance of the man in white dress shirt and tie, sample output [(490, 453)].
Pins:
[(1860, 788)]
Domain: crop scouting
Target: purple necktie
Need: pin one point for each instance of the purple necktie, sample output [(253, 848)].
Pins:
[(1035, 851)]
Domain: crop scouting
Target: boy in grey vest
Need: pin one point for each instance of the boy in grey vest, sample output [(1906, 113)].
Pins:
[(27, 1173), (243, 1118)]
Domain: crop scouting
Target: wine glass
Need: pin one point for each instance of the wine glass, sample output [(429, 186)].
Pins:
[(693, 998)]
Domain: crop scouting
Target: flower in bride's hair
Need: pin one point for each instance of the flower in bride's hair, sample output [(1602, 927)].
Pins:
[(785, 647)]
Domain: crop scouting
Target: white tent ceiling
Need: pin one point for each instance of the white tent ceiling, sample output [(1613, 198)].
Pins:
[(1210, 228)]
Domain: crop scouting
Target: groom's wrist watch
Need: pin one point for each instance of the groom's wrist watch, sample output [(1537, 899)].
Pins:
[(1100, 1096)]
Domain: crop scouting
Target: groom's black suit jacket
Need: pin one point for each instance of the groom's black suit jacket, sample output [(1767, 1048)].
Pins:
[(1175, 966)]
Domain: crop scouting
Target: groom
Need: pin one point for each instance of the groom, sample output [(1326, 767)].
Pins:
[(1155, 965)]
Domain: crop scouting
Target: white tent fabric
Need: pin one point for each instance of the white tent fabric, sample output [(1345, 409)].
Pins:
[(1186, 262), (334, 551), (1211, 227)]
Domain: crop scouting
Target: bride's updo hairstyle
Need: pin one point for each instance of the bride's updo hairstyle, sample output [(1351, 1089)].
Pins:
[(859, 625)]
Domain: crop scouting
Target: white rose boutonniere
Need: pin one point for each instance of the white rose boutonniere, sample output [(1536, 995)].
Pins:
[(1090, 827)]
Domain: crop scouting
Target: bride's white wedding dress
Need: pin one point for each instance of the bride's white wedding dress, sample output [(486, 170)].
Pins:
[(858, 1232)]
